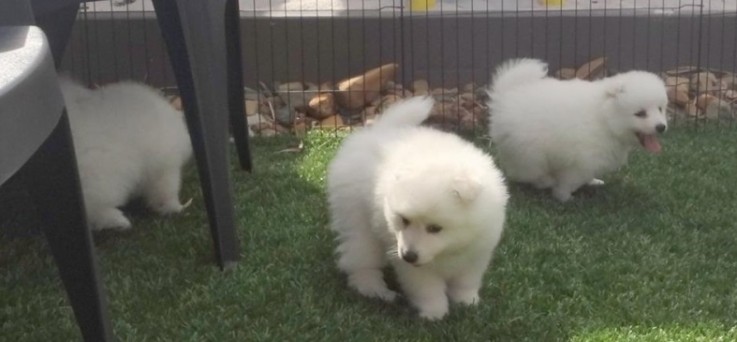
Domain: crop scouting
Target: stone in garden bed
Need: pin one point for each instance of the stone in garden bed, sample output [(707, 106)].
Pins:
[(357, 91)]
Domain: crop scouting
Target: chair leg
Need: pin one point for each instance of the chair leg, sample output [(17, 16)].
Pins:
[(52, 179), (203, 89), (235, 84)]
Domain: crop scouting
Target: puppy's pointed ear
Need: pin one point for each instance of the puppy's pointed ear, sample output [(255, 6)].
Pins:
[(466, 189)]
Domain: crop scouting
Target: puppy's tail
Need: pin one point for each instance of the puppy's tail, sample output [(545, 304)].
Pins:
[(517, 72), (411, 112)]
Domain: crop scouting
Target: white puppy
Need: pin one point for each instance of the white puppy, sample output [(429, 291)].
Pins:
[(565, 134), (429, 203), (129, 142)]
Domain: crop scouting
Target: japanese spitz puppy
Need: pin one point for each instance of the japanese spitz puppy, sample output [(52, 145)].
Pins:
[(566, 134), (129, 142), (426, 202)]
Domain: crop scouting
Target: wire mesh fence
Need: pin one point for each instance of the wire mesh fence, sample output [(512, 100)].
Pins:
[(340, 63)]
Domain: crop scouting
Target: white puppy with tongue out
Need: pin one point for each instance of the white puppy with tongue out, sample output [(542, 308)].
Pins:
[(566, 134)]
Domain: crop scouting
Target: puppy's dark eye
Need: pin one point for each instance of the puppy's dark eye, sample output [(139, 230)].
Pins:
[(660, 109), (405, 221), (434, 229), (641, 114)]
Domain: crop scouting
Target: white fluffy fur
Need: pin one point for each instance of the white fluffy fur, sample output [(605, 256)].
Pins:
[(565, 134), (129, 142), (395, 168)]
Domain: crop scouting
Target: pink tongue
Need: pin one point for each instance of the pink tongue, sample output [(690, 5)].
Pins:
[(650, 142)]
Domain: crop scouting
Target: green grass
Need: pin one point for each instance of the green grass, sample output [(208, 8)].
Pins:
[(652, 256)]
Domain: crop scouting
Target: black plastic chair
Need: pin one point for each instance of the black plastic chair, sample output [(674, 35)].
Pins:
[(203, 41), (36, 148)]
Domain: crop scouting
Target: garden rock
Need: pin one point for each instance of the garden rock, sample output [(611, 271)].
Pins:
[(704, 81), (322, 106), (592, 70), (420, 87), (357, 91)]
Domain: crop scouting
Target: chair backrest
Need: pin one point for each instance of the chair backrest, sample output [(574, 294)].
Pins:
[(16, 13), (30, 100)]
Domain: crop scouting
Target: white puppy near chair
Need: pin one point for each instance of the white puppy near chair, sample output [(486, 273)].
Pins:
[(129, 142)]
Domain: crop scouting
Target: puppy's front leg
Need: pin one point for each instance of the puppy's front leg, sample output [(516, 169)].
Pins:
[(568, 182), (464, 289), (424, 289), (362, 258)]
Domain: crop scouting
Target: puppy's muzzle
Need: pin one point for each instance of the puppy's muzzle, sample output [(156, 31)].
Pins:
[(660, 128), (410, 256)]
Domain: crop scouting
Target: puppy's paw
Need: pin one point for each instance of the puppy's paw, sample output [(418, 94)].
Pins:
[(433, 310), (595, 182), (371, 284), (168, 209), (562, 195), (465, 297), (383, 294), (544, 183), (112, 219), (171, 207)]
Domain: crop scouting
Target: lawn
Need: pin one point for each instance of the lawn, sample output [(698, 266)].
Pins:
[(652, 256)]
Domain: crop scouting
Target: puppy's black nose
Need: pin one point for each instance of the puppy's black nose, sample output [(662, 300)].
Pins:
[(660, 128), (409, 256)]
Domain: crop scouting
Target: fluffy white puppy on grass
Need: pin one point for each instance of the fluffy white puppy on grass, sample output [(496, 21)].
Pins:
[(428, 203), (566, 134), (129, 142)]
